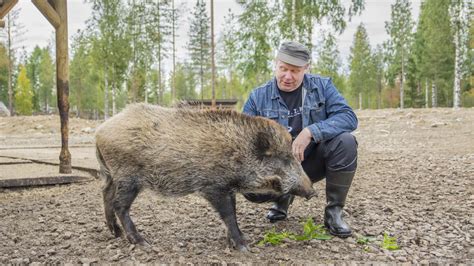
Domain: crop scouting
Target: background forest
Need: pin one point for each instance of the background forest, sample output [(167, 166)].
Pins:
[(128, 53)]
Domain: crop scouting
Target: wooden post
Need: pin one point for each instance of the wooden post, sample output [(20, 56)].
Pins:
[(55, 12), (6, 6), (2, 24), (62, 84)]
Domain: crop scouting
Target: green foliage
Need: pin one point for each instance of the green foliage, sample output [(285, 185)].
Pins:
[(23, 94), (389, 242), (3, 74), (47, 82), (310, 231), (363, 240), (437, 57), (258, 40), (32, 71), (274, 238), (363, 76), (199, 45), (328, 62)]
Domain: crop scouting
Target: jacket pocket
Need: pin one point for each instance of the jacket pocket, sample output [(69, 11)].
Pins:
[(317, 112), (270, 114)]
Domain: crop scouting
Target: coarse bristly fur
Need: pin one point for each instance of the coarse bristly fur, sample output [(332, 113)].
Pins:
[(178, 151)]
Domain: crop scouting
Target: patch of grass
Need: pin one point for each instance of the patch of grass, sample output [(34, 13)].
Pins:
[(310, 231), (389, 242), (274, 238), (363, 240)]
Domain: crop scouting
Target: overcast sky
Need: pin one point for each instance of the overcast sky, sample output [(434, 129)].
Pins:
[(40, 32)]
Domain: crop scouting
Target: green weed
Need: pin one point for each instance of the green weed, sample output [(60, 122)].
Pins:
[(310, 231), (389, 242), (273, 237)]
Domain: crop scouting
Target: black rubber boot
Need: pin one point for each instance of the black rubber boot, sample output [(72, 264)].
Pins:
[(279, 210), (337, 187)]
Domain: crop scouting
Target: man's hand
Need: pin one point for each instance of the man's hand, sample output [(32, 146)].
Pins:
[(300, 143)]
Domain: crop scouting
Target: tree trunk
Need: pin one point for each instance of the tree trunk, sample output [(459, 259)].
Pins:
[(427, 91), (173, 85), (10, 66), (434, 96), (114, 98), (106, 96), (457, 76), (360, 100)]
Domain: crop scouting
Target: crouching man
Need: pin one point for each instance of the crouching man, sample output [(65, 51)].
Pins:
[(320, 122)]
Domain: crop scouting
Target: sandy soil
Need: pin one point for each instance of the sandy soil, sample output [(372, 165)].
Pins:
[(415, 182)]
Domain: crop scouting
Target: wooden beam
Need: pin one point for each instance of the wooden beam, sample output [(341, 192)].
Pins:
[(48, 12), (6, 7), (2, 24), (41, 181)]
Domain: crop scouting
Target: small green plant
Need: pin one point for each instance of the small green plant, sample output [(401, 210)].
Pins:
[(389, 242), (273, 237), (312, 231), (363, 240)]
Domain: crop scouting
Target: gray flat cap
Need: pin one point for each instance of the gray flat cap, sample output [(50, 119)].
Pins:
[(294, 53)]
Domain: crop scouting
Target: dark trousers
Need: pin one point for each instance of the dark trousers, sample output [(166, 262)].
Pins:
[(336, 154)]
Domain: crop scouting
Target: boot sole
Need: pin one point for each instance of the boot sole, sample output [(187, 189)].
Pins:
[(336, 234)]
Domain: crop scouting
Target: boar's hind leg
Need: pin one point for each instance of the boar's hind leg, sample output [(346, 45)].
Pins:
[(108, 193), (225, 206), (125, 193)]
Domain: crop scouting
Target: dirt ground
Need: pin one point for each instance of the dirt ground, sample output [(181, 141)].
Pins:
[(415, 182)]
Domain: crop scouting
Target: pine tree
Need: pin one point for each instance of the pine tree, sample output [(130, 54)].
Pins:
[(362, 81), (23, 94), (113, 46), (32, 70), (257, 41), (228, 54), (199, 44), (328, 62), (437, 62), (400, 30), (46, 80), (158, 29)]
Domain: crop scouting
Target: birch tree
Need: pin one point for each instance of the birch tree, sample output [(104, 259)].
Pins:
[(459, 12)]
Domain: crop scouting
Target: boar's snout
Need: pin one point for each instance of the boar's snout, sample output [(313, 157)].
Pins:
[(304, 188)]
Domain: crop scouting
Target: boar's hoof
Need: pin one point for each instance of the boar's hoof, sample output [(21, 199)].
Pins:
[(115, 229), (137, 240), (242, 247)]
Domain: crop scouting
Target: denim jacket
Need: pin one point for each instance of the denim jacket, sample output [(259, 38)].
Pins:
[(325, 112)]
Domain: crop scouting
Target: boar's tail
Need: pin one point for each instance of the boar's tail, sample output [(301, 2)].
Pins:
[(103, 169)]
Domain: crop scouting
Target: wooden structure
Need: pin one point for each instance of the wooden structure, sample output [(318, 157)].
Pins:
[(211, 104), (55, 12)]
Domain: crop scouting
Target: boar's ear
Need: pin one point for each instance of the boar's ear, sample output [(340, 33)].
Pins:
[(262, 144)]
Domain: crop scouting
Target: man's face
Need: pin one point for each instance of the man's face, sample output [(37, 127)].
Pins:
[(289, 77)]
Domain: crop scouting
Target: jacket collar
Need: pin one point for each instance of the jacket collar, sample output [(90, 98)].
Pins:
[(306, 85)]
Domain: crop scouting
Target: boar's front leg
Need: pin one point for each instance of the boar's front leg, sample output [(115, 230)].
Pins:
[(224, 203)]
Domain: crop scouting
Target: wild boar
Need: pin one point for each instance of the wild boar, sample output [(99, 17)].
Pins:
[(176, 152)]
